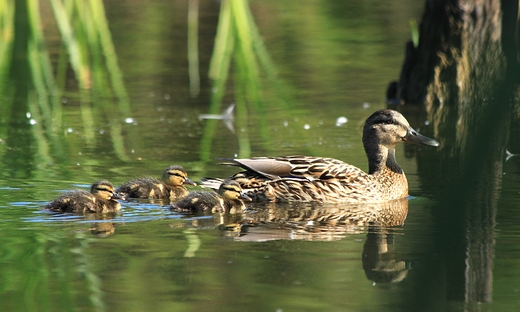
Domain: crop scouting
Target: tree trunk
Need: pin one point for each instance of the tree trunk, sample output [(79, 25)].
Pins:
[(465, 71)]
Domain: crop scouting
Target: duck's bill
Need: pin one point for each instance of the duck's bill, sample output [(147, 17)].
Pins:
[(116, 196), (190, 182), (245, 197), (415, 137)]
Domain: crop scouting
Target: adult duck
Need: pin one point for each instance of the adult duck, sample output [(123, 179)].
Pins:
[(306, 178)]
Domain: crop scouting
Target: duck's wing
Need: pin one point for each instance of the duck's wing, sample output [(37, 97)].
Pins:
[(295, 167)]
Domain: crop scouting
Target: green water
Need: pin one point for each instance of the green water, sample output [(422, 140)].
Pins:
[(332, 59)]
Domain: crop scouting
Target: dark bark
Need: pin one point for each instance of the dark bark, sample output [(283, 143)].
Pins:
[(465, 72)]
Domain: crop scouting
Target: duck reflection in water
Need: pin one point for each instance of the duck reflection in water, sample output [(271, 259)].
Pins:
[(329, 222), (380, 262), (320, 222)]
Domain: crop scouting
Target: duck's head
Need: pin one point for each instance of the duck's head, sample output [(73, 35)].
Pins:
[(231, 190), (104, 190), (176, 176), (388, 127)]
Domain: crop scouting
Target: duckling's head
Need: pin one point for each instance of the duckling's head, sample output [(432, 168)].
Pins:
[(231, 190), (104, 190), (176, 176), (388, 127)]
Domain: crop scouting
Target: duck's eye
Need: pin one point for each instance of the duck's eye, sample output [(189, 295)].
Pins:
[(390, 122)]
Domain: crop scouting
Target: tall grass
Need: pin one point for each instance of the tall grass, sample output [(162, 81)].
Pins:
[(90, 53), (239, 51)]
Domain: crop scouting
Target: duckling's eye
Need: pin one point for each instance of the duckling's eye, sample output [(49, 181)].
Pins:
[(390, 122), (176, 174)]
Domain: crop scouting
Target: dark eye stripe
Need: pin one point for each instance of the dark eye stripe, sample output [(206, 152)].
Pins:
[(232, 189)]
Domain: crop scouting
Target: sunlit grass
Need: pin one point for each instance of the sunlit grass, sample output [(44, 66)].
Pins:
[(239, 51), (414, 30)]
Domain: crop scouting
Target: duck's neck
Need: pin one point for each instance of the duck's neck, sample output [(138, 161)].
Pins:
[(381, 157)]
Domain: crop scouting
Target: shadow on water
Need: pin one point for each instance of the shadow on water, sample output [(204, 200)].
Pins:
[(465, 70)]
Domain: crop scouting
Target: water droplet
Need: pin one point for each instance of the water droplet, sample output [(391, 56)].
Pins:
[(341, 121), (129, 120), (366, 105), (28, 115), (33, 122), (306, 126)]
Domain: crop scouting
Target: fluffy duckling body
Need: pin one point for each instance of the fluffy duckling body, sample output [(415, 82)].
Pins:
[(319, 179), (171, 186), (228, 200), (101, 199)]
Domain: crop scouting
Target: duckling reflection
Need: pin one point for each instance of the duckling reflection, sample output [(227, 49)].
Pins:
[(102, 229), (101, 199), (171, 186), (101, 225)]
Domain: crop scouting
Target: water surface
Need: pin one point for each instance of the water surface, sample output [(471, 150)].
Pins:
[(333, 59)]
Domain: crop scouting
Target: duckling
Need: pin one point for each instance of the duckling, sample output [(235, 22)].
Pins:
[(101, 199), (319, 179), (170, 187), (228, 200)]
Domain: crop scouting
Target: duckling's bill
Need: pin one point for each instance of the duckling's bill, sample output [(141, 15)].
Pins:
[(117, 196), (245, 197), (190, 182)]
